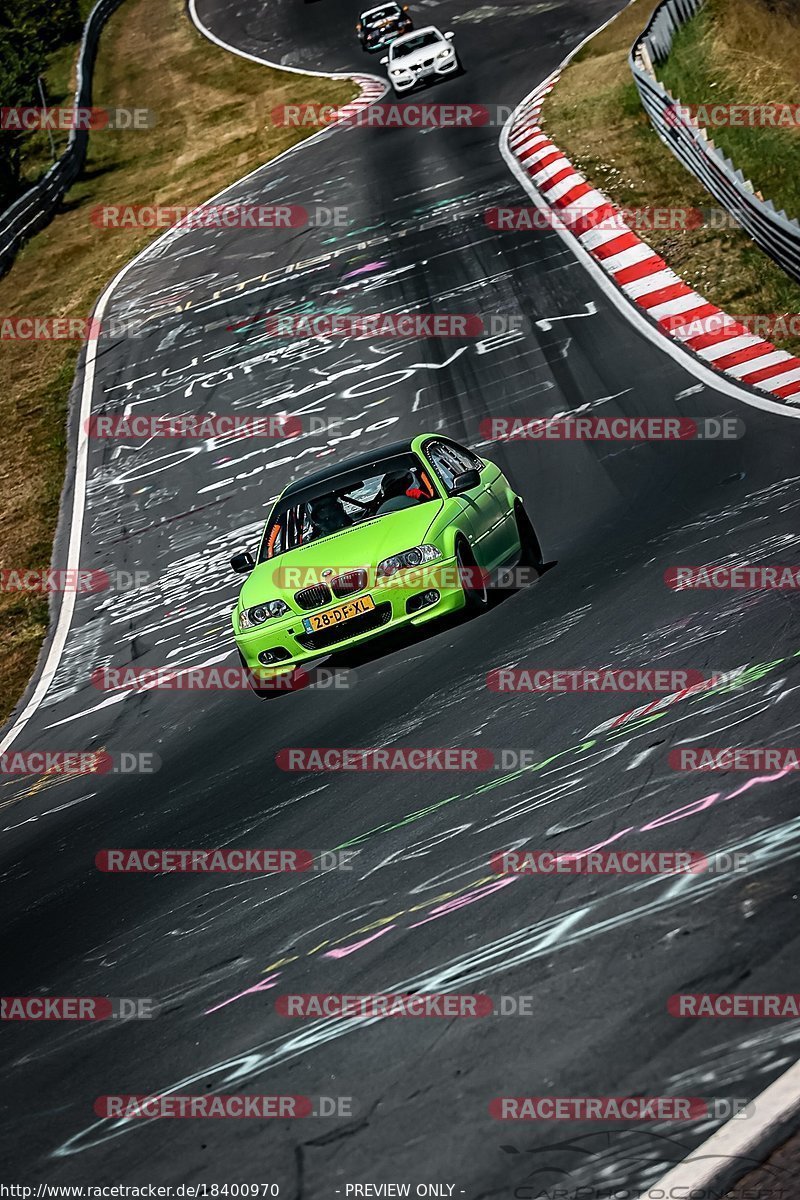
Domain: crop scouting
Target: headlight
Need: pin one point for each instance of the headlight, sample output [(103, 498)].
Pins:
[(444, 53), (408, 558), (249, 618)]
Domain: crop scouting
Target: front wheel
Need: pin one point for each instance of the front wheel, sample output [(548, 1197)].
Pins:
[(530, 554), (473, 580)]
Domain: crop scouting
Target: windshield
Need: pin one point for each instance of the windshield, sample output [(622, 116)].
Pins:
[(408, 46), (382, 14), (345, 500)]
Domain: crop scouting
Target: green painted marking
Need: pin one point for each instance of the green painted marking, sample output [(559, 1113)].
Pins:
[(388, 826)]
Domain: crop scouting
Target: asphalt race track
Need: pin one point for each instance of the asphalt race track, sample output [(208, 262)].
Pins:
[(420, 909)]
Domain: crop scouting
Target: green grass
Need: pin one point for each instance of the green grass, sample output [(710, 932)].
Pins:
[(702, 69), (59, 90)]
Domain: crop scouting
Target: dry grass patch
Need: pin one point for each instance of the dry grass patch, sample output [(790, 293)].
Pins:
[(213, 127)]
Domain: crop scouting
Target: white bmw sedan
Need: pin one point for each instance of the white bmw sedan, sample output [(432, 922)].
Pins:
[(421, 57)]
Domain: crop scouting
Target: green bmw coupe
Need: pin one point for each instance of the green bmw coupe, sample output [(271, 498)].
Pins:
[(379, 541)]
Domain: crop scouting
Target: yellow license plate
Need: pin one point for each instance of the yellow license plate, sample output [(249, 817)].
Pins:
[(335, 616)]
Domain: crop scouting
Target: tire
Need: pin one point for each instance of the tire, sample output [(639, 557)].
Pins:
[(476, 599), (530, 550)]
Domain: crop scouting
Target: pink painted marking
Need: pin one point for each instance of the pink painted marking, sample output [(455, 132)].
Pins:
[(467, 898), (343, 951), (263, 986), (591, 849), (362, 270), (759, 779), (677, 814), (695, 806)]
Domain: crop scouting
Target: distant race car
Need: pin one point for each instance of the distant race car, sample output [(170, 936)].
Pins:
[(379, 26), (380, 541), (421, 57)]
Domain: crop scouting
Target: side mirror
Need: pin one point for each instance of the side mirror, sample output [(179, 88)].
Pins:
[(384, 60), (358, 29), (450, 35), (243, 563), (465, 482), (405, 8)]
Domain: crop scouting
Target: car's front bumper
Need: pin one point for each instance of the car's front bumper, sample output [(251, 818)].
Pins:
[(426, 75), (390, 613)]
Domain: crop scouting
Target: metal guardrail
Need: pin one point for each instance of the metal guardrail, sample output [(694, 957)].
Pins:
[(35, 208), (770, 228)]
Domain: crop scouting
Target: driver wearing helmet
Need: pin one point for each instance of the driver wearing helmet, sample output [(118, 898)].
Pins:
[(404, 483), (327, 515)]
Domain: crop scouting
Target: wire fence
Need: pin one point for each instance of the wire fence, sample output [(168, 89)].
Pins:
[(770, 228), (35, 208)]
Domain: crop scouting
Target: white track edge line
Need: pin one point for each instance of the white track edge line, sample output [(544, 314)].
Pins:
[(740, 1137), (67, 609)]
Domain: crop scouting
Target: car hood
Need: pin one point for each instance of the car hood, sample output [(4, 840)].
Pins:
[(417, 57), (362, 546)]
